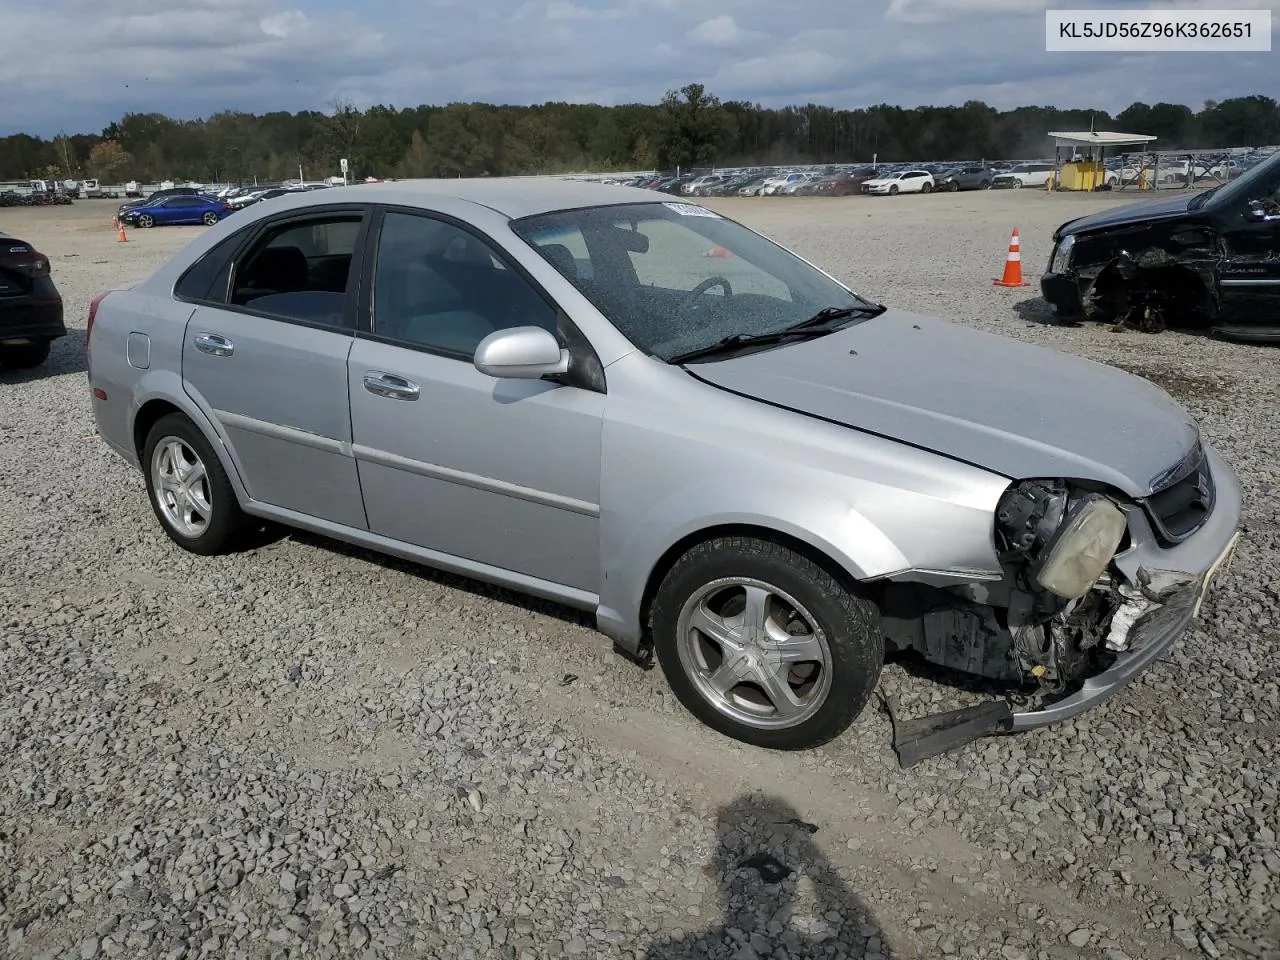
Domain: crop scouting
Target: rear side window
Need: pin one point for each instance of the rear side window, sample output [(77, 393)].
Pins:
[(206, 280), (300, 270)]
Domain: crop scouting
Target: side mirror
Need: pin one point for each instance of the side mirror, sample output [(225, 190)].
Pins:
[(1259, 212), (521, 353)]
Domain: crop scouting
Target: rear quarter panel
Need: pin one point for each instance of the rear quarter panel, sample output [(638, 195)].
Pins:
[(162, 321)]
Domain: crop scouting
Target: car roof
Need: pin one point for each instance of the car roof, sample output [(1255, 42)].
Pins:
[(514, 197)]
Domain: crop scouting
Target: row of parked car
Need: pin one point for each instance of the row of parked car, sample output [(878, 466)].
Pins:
[(186, 205), (844, 181)]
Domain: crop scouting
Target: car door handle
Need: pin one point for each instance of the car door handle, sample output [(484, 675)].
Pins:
[(214, 345), (390, 385)]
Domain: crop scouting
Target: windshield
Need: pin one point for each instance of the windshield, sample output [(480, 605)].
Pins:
[(677, 277), (1253, 184)]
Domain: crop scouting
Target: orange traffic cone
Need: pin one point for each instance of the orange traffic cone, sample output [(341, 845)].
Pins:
[(120, 238), (1012, 265)]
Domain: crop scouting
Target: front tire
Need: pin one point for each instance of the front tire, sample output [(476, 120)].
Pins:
[(189, 491), (893, 190), (146, 220), (764, 645), (26, 356)]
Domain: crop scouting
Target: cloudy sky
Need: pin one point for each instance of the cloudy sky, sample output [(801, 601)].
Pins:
[(76, 65)]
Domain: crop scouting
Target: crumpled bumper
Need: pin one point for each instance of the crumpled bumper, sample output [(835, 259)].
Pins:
[(1187, 572)]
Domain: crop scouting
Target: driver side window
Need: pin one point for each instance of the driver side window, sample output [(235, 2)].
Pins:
[(443, 288)]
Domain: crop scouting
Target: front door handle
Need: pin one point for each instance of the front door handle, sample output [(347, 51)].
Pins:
[(214, 345), (390, 385)]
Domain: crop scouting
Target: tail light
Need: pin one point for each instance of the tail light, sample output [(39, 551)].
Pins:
[(30, 263), (93, 315)]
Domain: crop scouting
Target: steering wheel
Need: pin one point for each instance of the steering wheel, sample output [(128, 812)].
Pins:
[(703, 287)]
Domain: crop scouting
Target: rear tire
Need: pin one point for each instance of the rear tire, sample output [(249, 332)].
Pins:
[(210, 218), (26, 356), (188, 489), (713, 642), (926, 187)]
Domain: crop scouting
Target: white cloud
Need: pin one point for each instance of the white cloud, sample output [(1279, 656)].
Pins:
[(722, 31), (194, 57)]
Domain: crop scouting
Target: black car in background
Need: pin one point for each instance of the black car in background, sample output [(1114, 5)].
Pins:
[(30, 305), (1209, 259)]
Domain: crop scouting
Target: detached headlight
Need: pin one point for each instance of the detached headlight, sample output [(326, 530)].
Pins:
[(1062, 254), (1082, 548)]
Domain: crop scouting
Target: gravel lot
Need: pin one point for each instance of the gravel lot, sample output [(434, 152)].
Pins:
[(307, 750)]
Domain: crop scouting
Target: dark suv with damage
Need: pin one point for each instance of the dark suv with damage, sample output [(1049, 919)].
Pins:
[(1209, 259), (30, 305)]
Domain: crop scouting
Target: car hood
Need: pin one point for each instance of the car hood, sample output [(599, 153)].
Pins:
[(1010, 407), (1130, 213)]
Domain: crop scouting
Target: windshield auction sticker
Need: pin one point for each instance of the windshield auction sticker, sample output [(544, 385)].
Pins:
[(691, 210), (1156, 31)]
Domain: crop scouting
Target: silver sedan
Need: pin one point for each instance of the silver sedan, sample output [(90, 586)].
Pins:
[(635, 406)]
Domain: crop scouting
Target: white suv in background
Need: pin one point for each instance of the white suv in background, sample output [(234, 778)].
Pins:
[(902, 181), (1025, 175)]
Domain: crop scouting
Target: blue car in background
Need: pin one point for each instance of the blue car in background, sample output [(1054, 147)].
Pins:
[(167, 210)]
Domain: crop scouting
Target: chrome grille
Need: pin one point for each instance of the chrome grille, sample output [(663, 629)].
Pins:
[(1182, 498)]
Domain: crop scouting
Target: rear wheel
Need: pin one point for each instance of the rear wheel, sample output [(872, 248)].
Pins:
[(189, 491), (926, 187), (764, 645), (210, 218), (985, 185), (25, 356)]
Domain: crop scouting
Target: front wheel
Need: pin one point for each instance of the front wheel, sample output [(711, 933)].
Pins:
[(210, 218), (1018, 184), (893, 190), (189, 491), (146, 220), (764, 645)]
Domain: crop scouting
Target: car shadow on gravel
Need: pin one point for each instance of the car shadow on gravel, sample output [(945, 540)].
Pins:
[(778, 894), (67, 355), (1037, 310), (422, 572)]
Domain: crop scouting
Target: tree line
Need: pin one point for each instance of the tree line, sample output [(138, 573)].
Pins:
[(690, 127)]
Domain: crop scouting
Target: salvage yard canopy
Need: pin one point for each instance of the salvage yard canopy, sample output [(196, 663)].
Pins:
[(1085, 169), (1100, 138)]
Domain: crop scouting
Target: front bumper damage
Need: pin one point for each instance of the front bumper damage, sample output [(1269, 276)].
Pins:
[(1141, 629), (1131, 619)]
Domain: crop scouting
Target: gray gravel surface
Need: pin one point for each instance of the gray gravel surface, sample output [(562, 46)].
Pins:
[(307, 750)]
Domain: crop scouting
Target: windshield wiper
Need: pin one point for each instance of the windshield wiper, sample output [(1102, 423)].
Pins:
[(828, 314), (820, 324), (1198, 201)]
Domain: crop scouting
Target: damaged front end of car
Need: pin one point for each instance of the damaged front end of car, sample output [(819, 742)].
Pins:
[(1094, 591), (1147, 278)]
